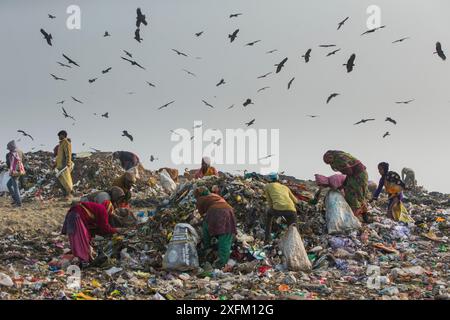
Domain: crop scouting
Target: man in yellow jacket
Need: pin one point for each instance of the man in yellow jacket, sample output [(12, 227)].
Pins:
[(64, 163), (282, 203)]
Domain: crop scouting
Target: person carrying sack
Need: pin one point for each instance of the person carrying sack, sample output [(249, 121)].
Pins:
[(16, 170)]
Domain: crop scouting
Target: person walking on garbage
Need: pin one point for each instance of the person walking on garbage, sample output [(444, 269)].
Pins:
[(409, 177), (219, 221), (16, 170), (206, 169), (126, 182), (394, 187), (282, 203), (83, 221), (128, 160), (64, 163), (356, 183)]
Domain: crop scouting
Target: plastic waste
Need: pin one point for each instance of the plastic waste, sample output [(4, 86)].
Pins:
[(6, 280), (181, 254), (339, 215), (294, 251), (166, 181)]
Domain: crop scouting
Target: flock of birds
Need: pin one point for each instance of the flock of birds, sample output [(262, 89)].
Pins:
[(141, 20)]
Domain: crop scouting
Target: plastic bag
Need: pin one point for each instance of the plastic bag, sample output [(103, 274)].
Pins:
[(339, 215), (168, 184), (4, 178), (400, 213), (294, 250), (181, 253)]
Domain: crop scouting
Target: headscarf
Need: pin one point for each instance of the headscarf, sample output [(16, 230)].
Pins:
[(328, 157), (385, 167), (207, 160), (273, 176), (116, 194), (11, 146), (394, 177)]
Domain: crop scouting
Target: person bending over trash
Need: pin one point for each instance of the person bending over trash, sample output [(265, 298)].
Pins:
[(83, 221), (16, 170), (116, 197), (356, 184), (282, 203), (394, 187), (206, 169), (219, 221), (409, 177), (126, 183), (64, 163), (128, 160)]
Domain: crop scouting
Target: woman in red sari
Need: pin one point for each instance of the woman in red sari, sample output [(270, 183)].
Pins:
[(83, 221)]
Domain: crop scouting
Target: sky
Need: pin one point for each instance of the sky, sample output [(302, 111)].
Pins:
[(384, 73)]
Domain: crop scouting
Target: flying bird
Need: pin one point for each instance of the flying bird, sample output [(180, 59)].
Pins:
[(312, 116), (290, 83), (221, 82), (439, 51), (262, 89), (391, 120), (281, 65), (250, 123), (327, 45), (137, 35), (235, 15), (63, 65), (247, 102), (350, 63), (266, 157), (76, 100), (61, 102), (400, 40), (264, 75), (140, 18), (272, 51), (189, 73), (66, 115), (364, 121), (150, 84), (128, 54), (133, 63), (233, 35), (180, 53), (25, 134), (333, 52), (106, 70), (106, 115), (230, 107), (152, 158), (106, 34), (57, 78), (386, 134), (307, 55), (166, 105), (342, 23), (47, 36), (252, 43), (331, 96), (127, 135), (218, 142), (198, 34), (92, 80), (405, 102), (207, 104), (51, 16), (70, 60), (372, 30)]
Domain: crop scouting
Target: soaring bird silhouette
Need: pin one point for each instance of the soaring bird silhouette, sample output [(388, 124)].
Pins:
[(333, 52), (66, 115), (327, 45), (250, 122), (133, 63), (180, 53), (127, 53), (290, 83), (140, 18), (230, 107), (391, 120), (372, 30), (105, 115), (70, 60), (233, 35), (312, 116), (106, 34), (272, 51), (386, 134), (281, 65), (207, 104), (106, 70), (235, 15), (342, 23), (57, 78), (151, 84), (152, 158), (307, 55), (405, 102), (221, 82), (47, 36), (264, 75), (350, 63), (400, 40), (127, 135), (331, 96), (61, 102), (63, 65), (25, 134), (76, 100), (364, 121), (252, 43), (92, 80), (218, 142), (247, 102), (198, 34), (189, 73), (166, 105), (439, 51), (51, 16), (262, 89), (137, 35)]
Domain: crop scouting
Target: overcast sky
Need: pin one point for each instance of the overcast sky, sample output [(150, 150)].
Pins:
[(384, 73)]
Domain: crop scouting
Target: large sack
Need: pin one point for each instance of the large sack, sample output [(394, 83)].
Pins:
[(4, 178), (166, 181), (339, 215), (181, 253), (294, 250)]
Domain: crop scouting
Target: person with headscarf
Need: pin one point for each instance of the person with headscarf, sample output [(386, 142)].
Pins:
[(219, 222), (126, 182), (206, 169), (83, 221), (16, 170), (64, 163), (282, 203), (128, 160), (115, 196), (356, 183)]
